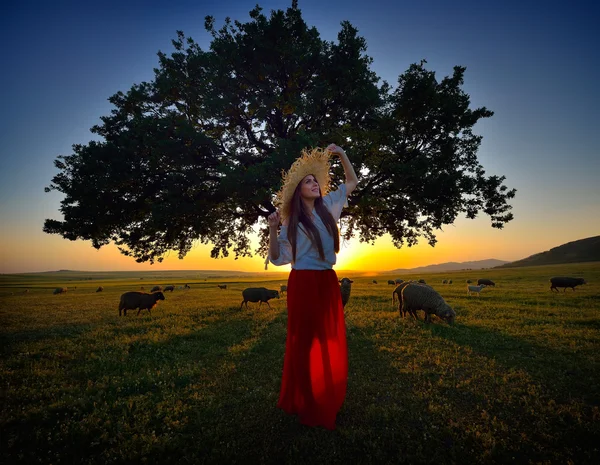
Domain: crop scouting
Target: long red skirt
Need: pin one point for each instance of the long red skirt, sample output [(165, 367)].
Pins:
[(315, 366)]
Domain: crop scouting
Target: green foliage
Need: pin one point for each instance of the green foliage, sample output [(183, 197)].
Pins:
[(515, 380), (197, 152)]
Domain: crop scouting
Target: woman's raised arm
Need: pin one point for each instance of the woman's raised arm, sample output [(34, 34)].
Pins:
[(351, 178)]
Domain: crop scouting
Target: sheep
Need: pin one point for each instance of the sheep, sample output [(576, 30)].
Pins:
[(170, 287), (421, 281), (468, 281), (563, 281), (140, 300), (222, 286), (345, 289), (258, 294), (475, 289), (445, 281), (60, 290), (282, 288), (100, 289), (374, 282), (391, 281), (156, 288), (416, 297), (487, 282), (449, 281), (399, 281), (187, 286)]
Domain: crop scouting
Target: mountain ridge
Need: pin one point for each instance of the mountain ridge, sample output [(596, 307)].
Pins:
[(453, 266), (579, 251)]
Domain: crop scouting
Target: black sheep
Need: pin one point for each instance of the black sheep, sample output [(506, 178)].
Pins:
[(563, 281), (139, 300), (258, 294)]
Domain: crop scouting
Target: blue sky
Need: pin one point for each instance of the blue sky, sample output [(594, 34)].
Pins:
[(534, 64)]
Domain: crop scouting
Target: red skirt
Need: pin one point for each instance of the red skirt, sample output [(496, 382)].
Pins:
[(315, 366)]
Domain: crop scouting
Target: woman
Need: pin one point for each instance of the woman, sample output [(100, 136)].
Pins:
[(315, 367)]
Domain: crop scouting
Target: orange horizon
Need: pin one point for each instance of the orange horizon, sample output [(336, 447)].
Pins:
[(30, 250)]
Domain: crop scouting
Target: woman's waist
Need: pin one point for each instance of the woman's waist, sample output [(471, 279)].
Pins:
[(313, 262)]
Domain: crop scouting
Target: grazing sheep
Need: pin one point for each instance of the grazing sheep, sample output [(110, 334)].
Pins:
[(468, 281), (282, 289), (170, 287), (374, 282), (449, 281), (222, 286), (100, 289), (391, 281), (421, 281), (345, 289), (258, 294), (60, 290), (187, 286), (156, 288), (445, 281), (487, 282), (416, 297), (139, 300), (399, 281), (564, 281), (475, 289)]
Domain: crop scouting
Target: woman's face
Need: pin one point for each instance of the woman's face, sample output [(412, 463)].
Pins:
[(309, 187)]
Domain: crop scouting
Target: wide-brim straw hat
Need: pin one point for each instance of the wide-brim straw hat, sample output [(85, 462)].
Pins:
[(311, 161)]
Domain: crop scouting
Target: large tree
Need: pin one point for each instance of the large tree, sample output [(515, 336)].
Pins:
[(197, 153)]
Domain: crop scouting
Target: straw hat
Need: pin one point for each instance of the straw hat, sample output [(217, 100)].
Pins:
[(315, 162)]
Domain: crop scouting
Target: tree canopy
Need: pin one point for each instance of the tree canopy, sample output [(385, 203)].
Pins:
[(197, 153)]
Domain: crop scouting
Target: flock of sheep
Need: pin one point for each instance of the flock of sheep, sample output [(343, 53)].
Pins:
[(418, 295), (411, 295)]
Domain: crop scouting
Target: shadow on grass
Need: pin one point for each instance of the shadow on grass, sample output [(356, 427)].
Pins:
[(8, 341), (210, 397), (567, 375), (385, 419)]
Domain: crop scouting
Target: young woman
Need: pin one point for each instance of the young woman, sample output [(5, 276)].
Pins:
[(315, 367)]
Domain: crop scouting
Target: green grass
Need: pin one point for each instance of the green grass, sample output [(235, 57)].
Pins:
[(517, 379)]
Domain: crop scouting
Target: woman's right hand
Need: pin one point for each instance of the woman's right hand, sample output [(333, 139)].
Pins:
[(273, 219)]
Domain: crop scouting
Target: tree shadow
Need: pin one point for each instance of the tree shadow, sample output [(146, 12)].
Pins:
[(8, 341), (385, 418), (210, 397), (566, 374)]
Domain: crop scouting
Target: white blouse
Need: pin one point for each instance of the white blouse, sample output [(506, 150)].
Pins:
[(307, 255)]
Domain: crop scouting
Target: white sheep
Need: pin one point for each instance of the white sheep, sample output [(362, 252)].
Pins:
[(475, 289), (419, 297)]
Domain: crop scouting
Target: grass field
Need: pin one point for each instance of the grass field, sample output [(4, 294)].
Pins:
[(516, 379)]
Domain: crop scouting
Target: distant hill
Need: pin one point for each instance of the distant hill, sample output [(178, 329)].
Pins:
[(453, 266), (583, 250)]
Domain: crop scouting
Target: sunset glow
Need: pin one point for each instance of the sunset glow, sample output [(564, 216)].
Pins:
[(542, 135)]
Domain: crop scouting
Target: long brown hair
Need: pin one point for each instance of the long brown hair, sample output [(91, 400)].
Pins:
[(299, 215)]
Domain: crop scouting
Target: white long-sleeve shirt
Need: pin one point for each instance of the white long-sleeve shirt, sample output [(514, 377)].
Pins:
[(307, 255)]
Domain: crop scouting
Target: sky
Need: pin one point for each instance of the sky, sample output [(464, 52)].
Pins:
[(534, 64)]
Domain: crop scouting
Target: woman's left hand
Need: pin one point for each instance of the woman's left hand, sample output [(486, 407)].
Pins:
[(335, 149)]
